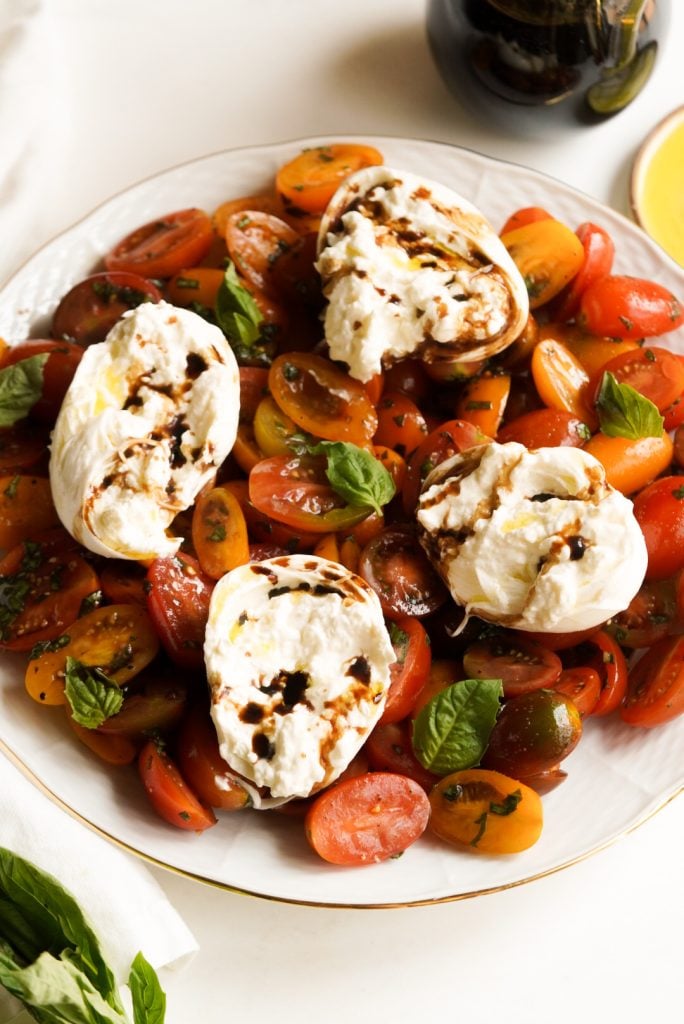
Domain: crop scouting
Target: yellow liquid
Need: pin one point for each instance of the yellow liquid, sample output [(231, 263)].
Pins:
[(662, 194)]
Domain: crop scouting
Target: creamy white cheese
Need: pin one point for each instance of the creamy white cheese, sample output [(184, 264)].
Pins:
[(409, 267), (298, 661), (536, 540), (150, 414)]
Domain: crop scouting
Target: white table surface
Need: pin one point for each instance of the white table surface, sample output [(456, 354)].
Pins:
[(150, 84)]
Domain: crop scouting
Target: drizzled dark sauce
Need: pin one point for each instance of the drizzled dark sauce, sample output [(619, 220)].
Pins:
[(360, 669), (578, 546)]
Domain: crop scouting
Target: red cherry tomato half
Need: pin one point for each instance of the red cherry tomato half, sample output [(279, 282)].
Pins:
[(526, 215), (401, 424), (602, 652), (582, 685), (521, 665), (169, 793), (21, 447), (178, 596), (656, 373), (546, 428), (389, 749), (367, 819), (650, 616), (449, 439), (398, 570), (656, 685), (599, 252), (410, 672), (58, 372), (90, 309), (629, 307), (659, 510), (164, 246), (201, 763)]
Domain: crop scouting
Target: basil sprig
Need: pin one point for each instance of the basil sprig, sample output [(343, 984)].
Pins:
[(355, 474), (623, 412), (453, 729), (92, 696), (237, 313), (51, 959), (21, 385)]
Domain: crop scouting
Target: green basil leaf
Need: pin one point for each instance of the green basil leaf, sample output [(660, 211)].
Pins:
[(58, 926), (623, 412), (149, 999), (92, 696), (57, 991), (21, 385), (453, 729), (237, 313), (355, 474)]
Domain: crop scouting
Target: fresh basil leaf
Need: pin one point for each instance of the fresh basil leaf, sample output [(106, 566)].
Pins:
[(237, 313), (149, 999), (56, 991), (59, 927), (92, 696), (623, 412), (452, 730), (355, 474), (21, 385)]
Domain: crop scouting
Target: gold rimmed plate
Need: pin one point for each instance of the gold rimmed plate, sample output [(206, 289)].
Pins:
[(617, 776)]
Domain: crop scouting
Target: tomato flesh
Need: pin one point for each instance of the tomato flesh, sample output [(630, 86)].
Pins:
[(521, 665), (410, 672), (178, 599), (656, 686), (164, 246), (169, 794)]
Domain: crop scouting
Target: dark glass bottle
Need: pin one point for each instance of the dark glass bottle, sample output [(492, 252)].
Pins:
[(547, 61)]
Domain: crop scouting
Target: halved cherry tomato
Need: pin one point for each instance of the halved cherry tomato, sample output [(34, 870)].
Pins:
[(309, 181), (178, 599), (201, 764), (272, 428), (123, 582), (21, 447), (533, 733), (393, 462), (655, 373), (163, 246), (651, 615), (546, 428), (266, 202), (630, 465), (673, 416), (486, 811), (255, 242), (389, 749), (409, 376), (158, 705), (87, 313), (410, 672), (521, 665), (558, 641), (264, 530), (629, 307), (253, 388), (115, 749), (401, 424), (346, 551), (547, 254), (367, 819), (321, 399), (591, 350), (656, 685), (482, 402), (659, 510), (599, 252), (294, 491), (526, 215), (119, 639), (399, 572), (26, 508), (562, 381), (582, 685), (196, 286), (169, 793), (449, 439), (58, 372), (43, 589), (602, 653), (219, 532)]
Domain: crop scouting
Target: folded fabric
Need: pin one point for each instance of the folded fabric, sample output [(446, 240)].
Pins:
[(126, 906)]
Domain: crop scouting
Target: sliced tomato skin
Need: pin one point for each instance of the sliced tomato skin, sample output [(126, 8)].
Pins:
[(522, 665), (619, 306), (164, 246), (599, 252), (411, 670), (656, 373), (582, 685), (546, 428), (659, 511), (610, 663), (87, 312), (367, 819), (178, 596), (397, 569), (169, 794), (201, 763), (655, 692)]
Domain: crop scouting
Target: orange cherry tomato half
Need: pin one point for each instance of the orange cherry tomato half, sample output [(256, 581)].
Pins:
[(631, 465), (219, 532), (87, 313), (526, 215), (197, 286), (200, 762), (590, 350), (656, 685), (321, 399), (26, 508), (164, 246), (483, 401), (561, 380), (309, 181), (548, 255), (401, 424), (411, 670), (169, 793), (546, 428), (255, 242), (116, 750), (367, 819)]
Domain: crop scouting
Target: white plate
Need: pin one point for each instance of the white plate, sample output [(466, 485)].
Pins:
[(618, 776)]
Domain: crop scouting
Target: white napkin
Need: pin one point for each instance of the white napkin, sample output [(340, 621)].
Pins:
[(126, 906), (33, 118)]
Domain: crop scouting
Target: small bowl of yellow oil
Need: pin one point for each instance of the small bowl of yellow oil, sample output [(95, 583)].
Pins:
[(657, 185)]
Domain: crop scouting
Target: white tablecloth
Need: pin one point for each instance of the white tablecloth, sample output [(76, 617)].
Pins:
[(141, 85)]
